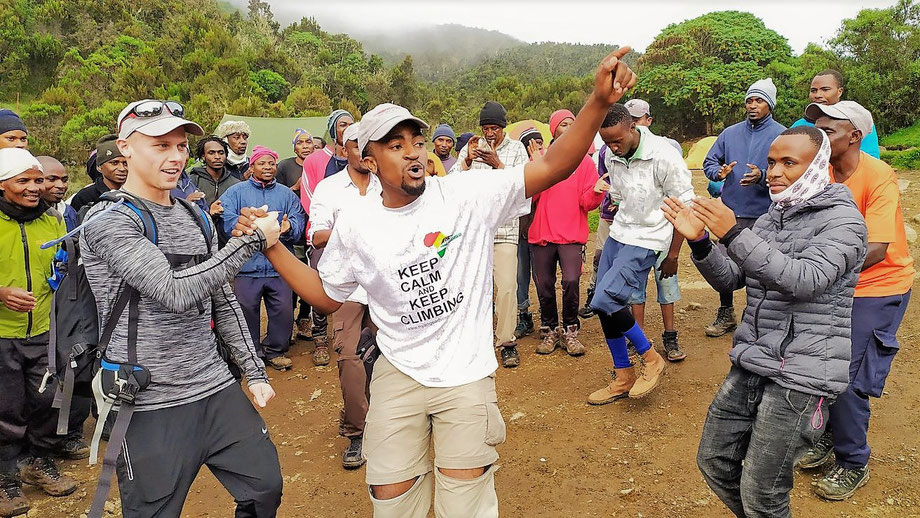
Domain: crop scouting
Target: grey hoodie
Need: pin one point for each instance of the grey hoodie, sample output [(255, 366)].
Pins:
[(800, 267)]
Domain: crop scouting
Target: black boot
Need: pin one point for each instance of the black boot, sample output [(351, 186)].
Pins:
[(524, 325)]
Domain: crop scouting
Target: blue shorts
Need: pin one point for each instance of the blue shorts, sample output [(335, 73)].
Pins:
[(621, 274), (668, 289)]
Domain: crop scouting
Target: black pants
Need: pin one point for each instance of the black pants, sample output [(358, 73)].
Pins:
[(544, 259), (320, 321), (165, 449), (28, 424)]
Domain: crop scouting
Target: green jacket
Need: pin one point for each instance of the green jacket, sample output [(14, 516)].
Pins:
[(27, 266)]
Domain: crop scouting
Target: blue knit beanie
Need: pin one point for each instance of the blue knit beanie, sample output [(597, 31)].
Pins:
[(444, 130), (9, 121)]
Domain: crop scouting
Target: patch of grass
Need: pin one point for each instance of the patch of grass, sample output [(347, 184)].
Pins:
[(593, 216), (904, 138), (907, 159)]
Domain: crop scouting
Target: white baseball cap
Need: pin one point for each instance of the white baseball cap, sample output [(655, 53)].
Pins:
[(637, 108), (376, 123), (852, 111), (351, 132), (156, 118)]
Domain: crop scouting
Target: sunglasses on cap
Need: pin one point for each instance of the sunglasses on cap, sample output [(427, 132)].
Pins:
[(148, 109)]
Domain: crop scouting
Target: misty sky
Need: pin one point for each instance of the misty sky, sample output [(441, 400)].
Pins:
[(629, 22)]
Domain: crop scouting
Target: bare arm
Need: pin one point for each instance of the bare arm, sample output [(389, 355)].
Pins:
[(876, 254), (320, 238), (612, 79)]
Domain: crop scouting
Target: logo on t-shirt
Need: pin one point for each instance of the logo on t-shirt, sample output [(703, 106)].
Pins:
[(439, 241)]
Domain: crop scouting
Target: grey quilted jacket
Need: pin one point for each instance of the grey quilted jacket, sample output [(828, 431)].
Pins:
[(800, 268)]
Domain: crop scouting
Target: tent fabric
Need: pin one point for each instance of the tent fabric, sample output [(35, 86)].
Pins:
[(698, 152), (277, 134)]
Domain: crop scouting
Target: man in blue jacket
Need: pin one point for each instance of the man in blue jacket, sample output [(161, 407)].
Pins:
[(258, 280), (739, 158)]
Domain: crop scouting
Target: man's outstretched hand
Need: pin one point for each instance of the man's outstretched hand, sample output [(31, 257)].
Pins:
[(613, 77)]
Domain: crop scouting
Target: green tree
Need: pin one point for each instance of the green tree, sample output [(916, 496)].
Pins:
[(881, 52), (695, 73)]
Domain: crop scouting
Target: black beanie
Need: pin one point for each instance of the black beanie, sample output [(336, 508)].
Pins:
[(493, 113), (9, 121)]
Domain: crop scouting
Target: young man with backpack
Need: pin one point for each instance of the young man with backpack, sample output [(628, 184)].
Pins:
[(423, 252), (155, 251), (27, 420)]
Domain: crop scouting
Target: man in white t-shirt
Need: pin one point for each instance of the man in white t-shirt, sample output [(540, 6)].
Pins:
[(423, 251), (332, 196)]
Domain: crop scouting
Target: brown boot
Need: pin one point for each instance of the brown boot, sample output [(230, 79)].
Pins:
[(651, 374), (571, 343), (44, 473), (617, 389), (12, 501), (281, 363), (549, 340), (321, 354)]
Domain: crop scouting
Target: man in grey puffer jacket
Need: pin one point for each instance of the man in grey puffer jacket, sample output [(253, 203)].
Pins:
[(800, 263)]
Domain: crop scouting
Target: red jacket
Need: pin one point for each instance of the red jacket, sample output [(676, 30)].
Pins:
[(561, 215)]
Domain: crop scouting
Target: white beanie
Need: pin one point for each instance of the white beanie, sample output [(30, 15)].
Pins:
[(15, 161), (764, 89)]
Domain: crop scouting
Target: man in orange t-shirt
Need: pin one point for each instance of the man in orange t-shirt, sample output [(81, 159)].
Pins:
[(879, 303)]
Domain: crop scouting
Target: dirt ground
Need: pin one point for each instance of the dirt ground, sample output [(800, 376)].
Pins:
[(564, 458)]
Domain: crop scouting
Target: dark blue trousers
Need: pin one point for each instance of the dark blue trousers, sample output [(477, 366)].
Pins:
[(875, 323), (524, 275), (279, 306)]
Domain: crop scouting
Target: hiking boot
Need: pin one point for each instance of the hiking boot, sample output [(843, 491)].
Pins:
[(549, 339), (321, 354), (524, 325), (571, 343), (352, 457), (819, 454), (510, 357), (840, 483), (623, 381), (44, 473), (72, 448), (586, 311), (12, 501), (304, 328), (281, 363), (724, 323), (651, 375), (671, 347)]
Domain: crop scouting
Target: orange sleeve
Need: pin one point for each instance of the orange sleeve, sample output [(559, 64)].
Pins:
[(881, 211)]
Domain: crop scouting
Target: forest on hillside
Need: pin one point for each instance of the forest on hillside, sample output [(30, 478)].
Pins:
[(70, 66)]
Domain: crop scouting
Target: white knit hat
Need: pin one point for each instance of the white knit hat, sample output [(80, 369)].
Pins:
[(15, 161)]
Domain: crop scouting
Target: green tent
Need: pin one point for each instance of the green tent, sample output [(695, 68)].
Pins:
[(278, 134)]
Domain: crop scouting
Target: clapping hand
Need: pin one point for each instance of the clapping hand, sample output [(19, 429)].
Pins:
[(683, 219)]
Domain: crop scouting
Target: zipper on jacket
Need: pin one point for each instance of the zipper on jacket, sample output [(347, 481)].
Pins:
[(25, 251)]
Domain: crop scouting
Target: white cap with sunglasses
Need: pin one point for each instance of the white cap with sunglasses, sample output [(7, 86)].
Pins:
[(154, 118)]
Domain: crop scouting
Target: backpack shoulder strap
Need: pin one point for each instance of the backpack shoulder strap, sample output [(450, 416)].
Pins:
[(203, 220), (139, 207)]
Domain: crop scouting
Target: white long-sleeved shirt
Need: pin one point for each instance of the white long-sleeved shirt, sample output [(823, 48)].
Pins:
[(640, 184)]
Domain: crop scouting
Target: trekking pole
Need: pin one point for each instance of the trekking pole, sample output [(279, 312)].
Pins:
[(85, 224)]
